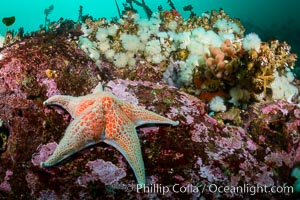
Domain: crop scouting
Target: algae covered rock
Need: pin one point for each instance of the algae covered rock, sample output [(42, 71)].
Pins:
[(186, 161)]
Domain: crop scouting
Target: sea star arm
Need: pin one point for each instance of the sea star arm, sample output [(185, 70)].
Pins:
[(64, 101), (74, 105), (140, 116), (98, 89), (83, 131), (133, 156), (120, 133)]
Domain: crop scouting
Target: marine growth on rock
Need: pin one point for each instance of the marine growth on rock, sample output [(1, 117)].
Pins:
[(234, 96)]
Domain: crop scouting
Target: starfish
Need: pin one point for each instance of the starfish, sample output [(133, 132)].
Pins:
[(102, 117)]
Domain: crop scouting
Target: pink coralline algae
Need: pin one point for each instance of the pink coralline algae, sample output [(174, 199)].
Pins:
[(149, 130), (275, 108), (107, 172), (5, 186), (120, 89), (32, 181), (43, 152), (202, 152), (85, 179), (47, 194), (51, 87), (209, 173), (200, 133), (289, 159)]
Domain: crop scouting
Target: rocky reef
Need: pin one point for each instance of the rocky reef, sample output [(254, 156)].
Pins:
[(249, 145)]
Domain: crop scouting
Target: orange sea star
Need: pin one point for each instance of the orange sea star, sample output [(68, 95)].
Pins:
[(99, 117)]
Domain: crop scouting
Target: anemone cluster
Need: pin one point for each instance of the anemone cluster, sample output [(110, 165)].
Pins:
[(204, 55)]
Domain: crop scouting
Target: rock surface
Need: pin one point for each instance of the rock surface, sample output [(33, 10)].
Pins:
[(198, 153)]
